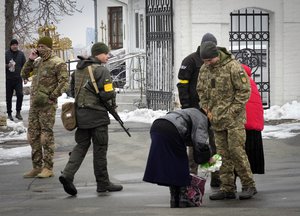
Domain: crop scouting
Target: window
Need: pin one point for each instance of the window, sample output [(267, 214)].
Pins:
[(139, 31), (115, 27)]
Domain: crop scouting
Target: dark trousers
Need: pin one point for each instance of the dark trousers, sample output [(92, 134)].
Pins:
[(11, 86), (83, 138)]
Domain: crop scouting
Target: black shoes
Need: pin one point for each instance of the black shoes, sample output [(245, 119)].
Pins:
[(18, 116), (10, 117), (68, 186), (110, 187), (221, 195), (247, 193), (215, 179), (174, 200)]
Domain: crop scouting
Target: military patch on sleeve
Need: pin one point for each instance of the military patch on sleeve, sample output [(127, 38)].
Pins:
[(108, 87), (243, 76)]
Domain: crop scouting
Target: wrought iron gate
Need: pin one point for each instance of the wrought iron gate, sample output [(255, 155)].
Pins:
[(159, 54), (250, 37)]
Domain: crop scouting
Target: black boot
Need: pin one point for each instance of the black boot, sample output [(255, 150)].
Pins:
[(215, 179), (184, 201), (9, 116), (18, 116), (174, 200), (110, 187), (68, 185)]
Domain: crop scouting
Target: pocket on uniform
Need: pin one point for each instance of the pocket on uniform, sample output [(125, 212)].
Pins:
[(40, 99)]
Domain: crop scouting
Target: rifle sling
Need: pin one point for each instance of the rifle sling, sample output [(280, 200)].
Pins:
[(93, 79)]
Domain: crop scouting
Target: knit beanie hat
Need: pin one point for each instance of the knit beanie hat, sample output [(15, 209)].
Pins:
[(14, 41), (99, 48), (208, 50), (209, 37), (46, 41)]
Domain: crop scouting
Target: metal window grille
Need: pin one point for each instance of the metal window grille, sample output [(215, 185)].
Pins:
[(249, 42)]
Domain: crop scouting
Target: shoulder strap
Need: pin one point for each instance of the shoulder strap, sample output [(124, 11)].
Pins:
[(93, 79)]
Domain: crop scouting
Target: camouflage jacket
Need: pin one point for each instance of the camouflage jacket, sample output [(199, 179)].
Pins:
[(49, 78), (224, 89)]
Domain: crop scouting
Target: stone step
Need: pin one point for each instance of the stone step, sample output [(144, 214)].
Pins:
[(130, 100)]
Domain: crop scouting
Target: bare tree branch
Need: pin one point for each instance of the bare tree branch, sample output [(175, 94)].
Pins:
[(23, 17)]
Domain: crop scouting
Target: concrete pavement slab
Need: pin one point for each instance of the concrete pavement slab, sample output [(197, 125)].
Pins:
[(278, 190)]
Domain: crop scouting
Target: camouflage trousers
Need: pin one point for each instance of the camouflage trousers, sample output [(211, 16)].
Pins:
[(40, 135), (83, 138), (231, 146)]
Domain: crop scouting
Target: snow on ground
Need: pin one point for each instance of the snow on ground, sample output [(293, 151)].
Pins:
[(18, 131)]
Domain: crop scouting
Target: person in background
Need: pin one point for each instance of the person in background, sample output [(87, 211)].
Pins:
[(188, 96), (92, 120), (49, 80), (14, 61), (167, 163), (254, 126), (224, 89)]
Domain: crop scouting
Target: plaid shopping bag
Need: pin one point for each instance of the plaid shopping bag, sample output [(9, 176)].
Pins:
[(195, 191)]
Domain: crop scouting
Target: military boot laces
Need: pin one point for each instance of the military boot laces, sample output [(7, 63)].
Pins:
[(247, 193), (110, 187), (46, 173), (221, 195), (32, 173), (18, 116), (68, 185)]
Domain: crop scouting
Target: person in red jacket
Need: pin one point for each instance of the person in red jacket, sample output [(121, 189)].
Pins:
[(254, 125)]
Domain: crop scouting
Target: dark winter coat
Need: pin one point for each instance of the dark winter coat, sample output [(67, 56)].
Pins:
[(90, 111), (19, 57), (188, 76)]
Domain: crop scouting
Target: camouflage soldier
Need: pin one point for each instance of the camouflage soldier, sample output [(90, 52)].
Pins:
[(188, 96), (224, 89), (49, 80), (92, 120)]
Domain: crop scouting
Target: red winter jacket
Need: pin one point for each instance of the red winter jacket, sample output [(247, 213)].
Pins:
[(254, 108)]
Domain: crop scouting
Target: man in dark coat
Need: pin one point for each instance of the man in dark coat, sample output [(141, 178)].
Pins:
[(14, 61), (188, 96)]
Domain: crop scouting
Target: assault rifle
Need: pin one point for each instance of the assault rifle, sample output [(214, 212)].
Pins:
[(108, 107)]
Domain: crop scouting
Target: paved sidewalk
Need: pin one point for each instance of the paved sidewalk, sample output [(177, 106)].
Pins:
[(278, 190)]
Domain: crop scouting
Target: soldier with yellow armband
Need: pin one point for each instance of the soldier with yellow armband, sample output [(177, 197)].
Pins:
[(92, 119)]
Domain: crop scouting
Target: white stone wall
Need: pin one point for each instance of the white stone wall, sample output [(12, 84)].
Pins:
[(194, 18), (2, 58), (291, 50)]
